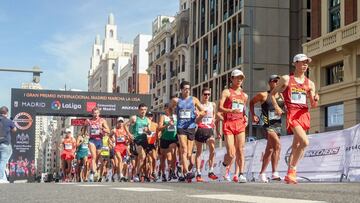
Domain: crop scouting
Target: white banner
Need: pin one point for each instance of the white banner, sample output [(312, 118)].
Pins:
[(330, 156)]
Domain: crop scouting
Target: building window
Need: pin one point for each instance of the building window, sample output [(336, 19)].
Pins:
[(334, 117), (335, 73), (334, 14), (97, 52), (111, 33)]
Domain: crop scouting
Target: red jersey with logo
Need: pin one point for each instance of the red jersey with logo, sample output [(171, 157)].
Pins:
[(295, 94), (235, 101)]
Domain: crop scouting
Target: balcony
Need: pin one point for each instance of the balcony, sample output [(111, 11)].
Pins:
[(333, 40), (157, 56), (162, 52), (163, 76)]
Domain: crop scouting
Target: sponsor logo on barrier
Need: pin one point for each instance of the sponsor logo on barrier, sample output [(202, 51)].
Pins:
[(33, 104), (90, 106), (354, 147), (129, 107), (322, 152), (107, 107), (22, 138), (57, 105), (23, 120)]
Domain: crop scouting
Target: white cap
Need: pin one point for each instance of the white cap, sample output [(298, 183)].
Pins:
[(120, 119), (237, 72), (68, 130), (301, 57)]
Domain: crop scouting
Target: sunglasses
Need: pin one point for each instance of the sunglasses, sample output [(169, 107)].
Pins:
[(206, 94)]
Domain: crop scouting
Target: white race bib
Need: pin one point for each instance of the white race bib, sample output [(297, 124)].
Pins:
[(105, 148), (236, 105), (274, 116), (185, 113), (141, 130), (207, 120), (298, 97), (171, 128), (120, 139), (95, 131), (84, 146), (68, 146)]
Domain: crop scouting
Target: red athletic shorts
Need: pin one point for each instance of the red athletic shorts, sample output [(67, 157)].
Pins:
[(234, 127), (67, 156), (298, 117), (122, 149)]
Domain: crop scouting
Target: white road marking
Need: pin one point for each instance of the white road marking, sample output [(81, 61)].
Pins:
[(92, 185), (253, 199), (141, 189)]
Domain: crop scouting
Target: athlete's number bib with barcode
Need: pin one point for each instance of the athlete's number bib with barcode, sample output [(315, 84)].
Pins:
[(185, 113), (298, 97), (68, 146), (120, 139), (274, 116), (207, 120), (95, 131), (141, 130), (237, 106)]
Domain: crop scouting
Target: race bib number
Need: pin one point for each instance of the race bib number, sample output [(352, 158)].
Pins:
[(237, 105), (298, 97), (274, 116), (207, 120), (141, 130), (95, 131), (185, 113), (120, 139), (68, 146), (84, 146), (171, 128), (105, 148)]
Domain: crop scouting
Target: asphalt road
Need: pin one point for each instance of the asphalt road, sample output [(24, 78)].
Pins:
[(180, 192)]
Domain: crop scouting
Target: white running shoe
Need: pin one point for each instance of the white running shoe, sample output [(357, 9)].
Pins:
[(226, 171), (275, 176), (136, 179), (91, 177), (242, 179), (263, 178)]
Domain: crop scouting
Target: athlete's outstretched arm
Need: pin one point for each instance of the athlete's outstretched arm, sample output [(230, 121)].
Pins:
[(259, 98)]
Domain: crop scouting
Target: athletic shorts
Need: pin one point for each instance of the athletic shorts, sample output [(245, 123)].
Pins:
[(272, 128), (189, 132), (122, 149), (297, 117), (96, 142), (164, 144), (234, 127), (112, 154), (149, 147), (82, 153), (67, 156), (203, 134), (142, 143), (133, 151)]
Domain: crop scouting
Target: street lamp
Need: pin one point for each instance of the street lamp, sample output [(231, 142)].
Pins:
[(251, 63), (36, 72)]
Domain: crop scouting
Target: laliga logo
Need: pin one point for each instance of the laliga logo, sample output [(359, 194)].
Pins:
[(55, 105)]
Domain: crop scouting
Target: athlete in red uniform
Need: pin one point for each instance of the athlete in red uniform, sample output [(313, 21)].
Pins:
[(121, 140), (232, 104), (68, 153), (297, 89)]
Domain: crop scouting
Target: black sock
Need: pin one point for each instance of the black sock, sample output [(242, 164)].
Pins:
[(241, 173)]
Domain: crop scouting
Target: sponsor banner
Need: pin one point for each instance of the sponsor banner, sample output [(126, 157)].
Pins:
[(353, 154), (50, 102), (324, 157)]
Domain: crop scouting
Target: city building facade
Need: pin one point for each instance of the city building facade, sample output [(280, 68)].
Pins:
[(335, 69)]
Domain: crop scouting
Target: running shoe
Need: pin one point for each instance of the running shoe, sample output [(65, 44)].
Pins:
[(136, 179), (190, 175), (164, 178), (181, 179), (212, 176), (173, 175), (91, 177), (242, 179), (290, 178), (275, 176), (199, 179), (235, 179), (226, 172), (263, 178)]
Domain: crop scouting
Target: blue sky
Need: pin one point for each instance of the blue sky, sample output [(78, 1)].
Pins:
[(58, 36)]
